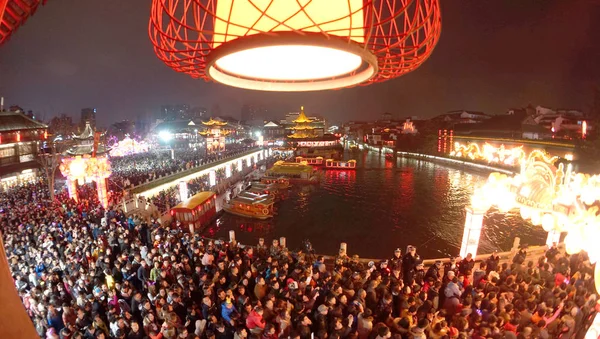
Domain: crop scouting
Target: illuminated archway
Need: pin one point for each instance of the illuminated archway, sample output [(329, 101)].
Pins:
[(81, 169)]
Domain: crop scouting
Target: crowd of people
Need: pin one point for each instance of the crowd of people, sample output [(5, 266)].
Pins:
[(86, 272), (132, 170)]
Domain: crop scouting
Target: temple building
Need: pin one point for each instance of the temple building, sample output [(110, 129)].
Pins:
[(310, 141), (214, 133), (87, 161), (21, 138), (84, 142)]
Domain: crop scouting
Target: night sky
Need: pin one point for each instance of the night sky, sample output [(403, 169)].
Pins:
[(492, 55)]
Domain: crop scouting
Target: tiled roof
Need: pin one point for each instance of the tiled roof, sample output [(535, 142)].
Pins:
[(16, 121)]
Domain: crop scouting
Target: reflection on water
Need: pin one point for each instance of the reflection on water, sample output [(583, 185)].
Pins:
[(382, 205)]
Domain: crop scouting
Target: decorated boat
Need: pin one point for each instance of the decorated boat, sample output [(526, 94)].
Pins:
[(293, 171), (251, 205), (338, 164), (281, 182), (260, 188), (318, 161), (197, 211)]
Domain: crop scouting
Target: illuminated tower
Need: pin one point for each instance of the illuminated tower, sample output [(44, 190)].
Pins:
[(303, 128), (214, 134)]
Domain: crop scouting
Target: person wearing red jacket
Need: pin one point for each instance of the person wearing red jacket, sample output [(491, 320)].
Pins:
[(255, 321)]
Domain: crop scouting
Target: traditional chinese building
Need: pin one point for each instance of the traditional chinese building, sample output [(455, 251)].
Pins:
[(83, 144), (214, 133), (87, 161), (309, 141), (21, 137)]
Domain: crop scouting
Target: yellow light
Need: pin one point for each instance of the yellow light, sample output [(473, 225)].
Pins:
[(569, 157), (285, 60), (293, 62), (246, 17), (548, 222), (573, 242), (77, 169), (536, 218)]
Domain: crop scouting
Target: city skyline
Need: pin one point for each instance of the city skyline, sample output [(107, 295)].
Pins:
[(492, 56)]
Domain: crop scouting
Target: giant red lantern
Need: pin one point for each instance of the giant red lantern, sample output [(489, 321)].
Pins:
[(294, 45)]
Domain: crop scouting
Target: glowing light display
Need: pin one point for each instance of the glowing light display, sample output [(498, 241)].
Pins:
[(294, 45), (408, 128), (81, 169), (491, 154), (554, 197), (214, 134), (289, 63), (129, 146)]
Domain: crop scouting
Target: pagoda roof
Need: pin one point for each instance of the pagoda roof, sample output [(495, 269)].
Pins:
[(86, 149), (88, 132), (17, 121), (301, 128), (208, 133), (213, 122), (271, 124), (302, 118), (324, 137)]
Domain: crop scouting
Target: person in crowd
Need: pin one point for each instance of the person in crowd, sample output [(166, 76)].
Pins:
[(83, 271)]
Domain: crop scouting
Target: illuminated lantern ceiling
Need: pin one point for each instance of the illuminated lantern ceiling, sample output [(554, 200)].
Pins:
[(294, 45), (13, 13)]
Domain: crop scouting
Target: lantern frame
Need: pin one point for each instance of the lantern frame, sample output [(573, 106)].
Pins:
[(397, 36)]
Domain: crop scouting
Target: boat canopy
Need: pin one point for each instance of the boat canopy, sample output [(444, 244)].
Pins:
[(195, 201)]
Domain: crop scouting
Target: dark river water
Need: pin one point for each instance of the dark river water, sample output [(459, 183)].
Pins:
[(382, 205)]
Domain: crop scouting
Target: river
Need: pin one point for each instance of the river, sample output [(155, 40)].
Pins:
[(383, 205)]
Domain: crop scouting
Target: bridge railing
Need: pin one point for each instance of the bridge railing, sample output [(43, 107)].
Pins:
[(185, 172)]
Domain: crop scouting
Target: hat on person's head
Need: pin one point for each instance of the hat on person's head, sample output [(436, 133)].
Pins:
[(322, 309)]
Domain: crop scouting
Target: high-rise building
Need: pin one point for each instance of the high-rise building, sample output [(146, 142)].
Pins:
[(253, 113), (88, 114), (248, 113), (197, 113), (174, 112)]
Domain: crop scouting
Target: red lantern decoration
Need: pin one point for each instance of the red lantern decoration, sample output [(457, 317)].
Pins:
[(294, 45)]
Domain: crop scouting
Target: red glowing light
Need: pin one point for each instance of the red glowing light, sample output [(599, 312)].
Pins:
[(18, 136), (230, 41), (13, 13), (583, 129)]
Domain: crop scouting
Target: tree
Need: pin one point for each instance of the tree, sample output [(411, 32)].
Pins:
[(62, 125), (49, 160)]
